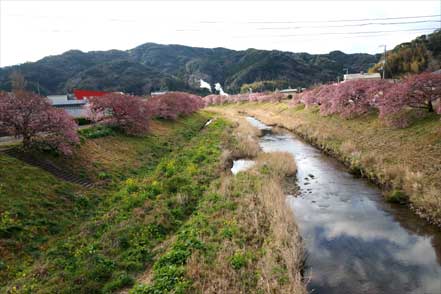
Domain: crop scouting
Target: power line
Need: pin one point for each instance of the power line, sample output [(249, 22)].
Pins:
[(348, 20), (322, 21), (353, 25), (348, 37), (340, 33)]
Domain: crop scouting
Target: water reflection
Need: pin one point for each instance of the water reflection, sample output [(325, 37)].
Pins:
[(357, 243), (258, 124)]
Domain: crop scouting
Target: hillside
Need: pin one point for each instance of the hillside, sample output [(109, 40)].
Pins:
[(416, 56), (150, 67)]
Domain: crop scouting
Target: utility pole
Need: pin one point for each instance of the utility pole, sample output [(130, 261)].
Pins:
[(384, 61)]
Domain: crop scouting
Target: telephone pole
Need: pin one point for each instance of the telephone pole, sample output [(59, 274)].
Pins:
[(384, 61)]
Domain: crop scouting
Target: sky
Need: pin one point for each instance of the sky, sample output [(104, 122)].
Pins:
[(31, 30)]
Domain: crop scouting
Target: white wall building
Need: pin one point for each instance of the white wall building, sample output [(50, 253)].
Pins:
[(76, 108), (364, 76)]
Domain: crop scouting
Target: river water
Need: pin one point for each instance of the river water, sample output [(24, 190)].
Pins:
[(356, 242)]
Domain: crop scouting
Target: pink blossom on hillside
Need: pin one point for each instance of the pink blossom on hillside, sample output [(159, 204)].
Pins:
[(129, 113), (174, 104), (32, 117), (349, 99), (416, 91), (309, 97)]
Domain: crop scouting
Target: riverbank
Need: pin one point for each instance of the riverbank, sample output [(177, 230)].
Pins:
[(242, 237), (166, 216), (39, 210), (404, 162)]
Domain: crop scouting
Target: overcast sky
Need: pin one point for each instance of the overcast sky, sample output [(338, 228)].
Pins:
[(30, 30)]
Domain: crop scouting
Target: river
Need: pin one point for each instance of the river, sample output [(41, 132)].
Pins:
[(355, 241)]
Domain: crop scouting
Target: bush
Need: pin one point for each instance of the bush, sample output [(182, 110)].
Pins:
[(82, 121), (97, 131)]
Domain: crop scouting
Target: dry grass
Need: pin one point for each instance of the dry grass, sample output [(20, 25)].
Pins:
[(398, 159), (246, 135), (268, 237), (278, 164)]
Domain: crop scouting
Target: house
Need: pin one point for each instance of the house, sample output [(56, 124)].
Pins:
[(360, 76), (84, 94), (75, 104), (75, 108)]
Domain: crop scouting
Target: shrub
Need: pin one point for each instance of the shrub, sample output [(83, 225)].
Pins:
[(97, 131)]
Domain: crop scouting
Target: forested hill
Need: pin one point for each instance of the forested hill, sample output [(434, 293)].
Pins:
[(421, 54), (152, 67)]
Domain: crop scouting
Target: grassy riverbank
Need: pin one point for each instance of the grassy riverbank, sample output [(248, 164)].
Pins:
[(242, 237), (38, 209), (167, 217), (405, 162)]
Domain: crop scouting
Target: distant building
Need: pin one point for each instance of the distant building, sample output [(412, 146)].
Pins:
[(361, 76), (75, 108), (158, 93), (289, 91), (84, 94)]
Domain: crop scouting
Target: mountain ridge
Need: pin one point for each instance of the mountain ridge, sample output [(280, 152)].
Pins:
[(153, 67)]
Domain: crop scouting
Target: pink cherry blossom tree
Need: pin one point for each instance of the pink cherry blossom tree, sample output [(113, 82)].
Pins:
[(31, 117), (126, 112), (174, 104), (349, 99), (416, 91)]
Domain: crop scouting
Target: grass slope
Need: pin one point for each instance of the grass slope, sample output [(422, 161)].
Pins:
[(102, 254), (242, 237), (38, 210), (406, 162)]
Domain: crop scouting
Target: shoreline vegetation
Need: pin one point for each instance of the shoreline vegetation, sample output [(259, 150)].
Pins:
[(167, 216), (242, 237), (403, 162)]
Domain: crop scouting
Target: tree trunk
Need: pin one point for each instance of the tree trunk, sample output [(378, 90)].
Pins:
[(26, 141), (430, 106)]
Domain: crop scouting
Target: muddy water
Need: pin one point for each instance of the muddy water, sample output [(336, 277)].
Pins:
[(356, 243)]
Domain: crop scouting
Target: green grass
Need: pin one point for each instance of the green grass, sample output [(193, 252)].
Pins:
[(38, 211), (34, 206), (96, 132), (104, 253), (226, 243)]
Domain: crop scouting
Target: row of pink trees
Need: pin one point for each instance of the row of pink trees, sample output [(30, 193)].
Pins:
[(131, 114), (252, 97), (171, 105), (31, 117), (391, 98)]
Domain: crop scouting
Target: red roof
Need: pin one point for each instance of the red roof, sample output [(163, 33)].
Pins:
[(81, 94)]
